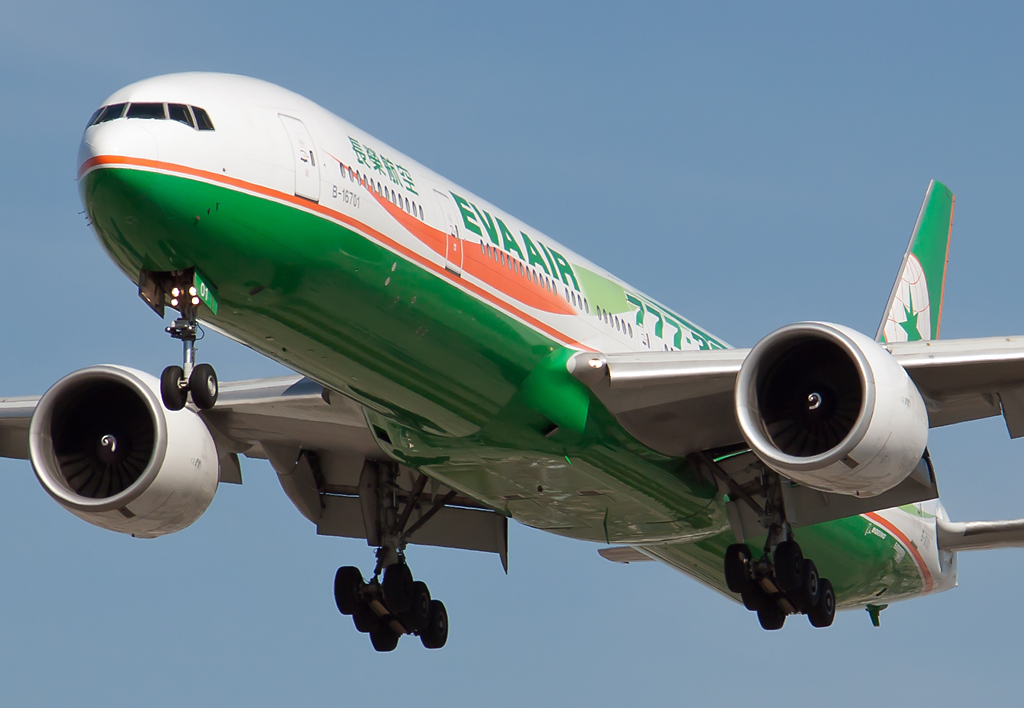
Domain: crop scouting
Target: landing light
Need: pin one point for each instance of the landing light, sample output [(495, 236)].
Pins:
[(174, 301), (175, 292), (195, 300)]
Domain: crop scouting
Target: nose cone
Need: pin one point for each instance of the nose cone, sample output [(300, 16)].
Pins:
[(118, 138), (118, 195)]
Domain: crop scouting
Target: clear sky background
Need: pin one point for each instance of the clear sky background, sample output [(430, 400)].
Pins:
[(751, 164)]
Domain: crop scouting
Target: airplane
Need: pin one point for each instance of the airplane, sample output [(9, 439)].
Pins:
[(456, 368)]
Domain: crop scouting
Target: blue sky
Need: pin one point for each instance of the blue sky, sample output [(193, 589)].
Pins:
[(751, 165)]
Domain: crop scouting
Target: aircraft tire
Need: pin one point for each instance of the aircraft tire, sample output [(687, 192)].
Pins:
[(435, 635), (364, 619), (398, 587), (202, 384), (172, 394), (417, 617), (754, 598), (824, 612), (788, 561), (806, 598), (347, 582), (736, 557), (770, 616), (383, 638)]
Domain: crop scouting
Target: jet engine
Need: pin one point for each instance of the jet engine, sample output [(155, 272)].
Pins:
[(104, 446), (831, 409)]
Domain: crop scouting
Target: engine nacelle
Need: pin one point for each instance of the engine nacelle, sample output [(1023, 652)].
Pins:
[(831, 409), (104, 446)]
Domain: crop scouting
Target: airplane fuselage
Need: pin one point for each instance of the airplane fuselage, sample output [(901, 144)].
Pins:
[(447, 319)]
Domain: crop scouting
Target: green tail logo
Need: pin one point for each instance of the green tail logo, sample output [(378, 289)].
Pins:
[(914, 311)]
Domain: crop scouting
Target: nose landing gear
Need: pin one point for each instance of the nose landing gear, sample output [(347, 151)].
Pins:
[(199, 380)]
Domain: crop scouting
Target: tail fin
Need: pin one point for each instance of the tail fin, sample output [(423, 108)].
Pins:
[(914, 311)]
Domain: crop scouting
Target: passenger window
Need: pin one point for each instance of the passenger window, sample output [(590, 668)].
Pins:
[(111, 112), (180, 113), (147, 110), (203, 121), (421, 212)]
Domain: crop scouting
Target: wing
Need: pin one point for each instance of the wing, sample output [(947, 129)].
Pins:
[(968, 379), (682, 404), (15, 414), (679, 403), (323, 452)]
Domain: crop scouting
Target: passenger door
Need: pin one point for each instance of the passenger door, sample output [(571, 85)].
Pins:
[(307, 172), (454, 251)]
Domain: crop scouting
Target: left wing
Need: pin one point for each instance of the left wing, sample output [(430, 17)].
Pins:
[(679, 403)]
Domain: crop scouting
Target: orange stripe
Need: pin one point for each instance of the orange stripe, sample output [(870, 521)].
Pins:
[(945, 266), (308, 205), (503, 278), (922, 567)]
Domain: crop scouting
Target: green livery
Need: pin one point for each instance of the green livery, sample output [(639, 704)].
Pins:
[(914, 309), (463, 391)]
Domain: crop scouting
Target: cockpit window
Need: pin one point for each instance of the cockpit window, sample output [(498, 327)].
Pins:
[(106, 113), (192, 116), (180, 113), (203, 121), (147, 110)]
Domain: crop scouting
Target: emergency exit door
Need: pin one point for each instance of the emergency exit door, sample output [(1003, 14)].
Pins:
[(453, 249), (307, 172)]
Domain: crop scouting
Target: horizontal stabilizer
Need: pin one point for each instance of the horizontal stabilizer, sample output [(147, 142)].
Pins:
[(979, 535)]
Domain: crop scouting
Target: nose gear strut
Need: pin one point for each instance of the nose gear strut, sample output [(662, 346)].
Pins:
[(199, 380)]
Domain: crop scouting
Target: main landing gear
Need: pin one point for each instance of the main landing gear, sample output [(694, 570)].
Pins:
[(386, 609), (392, 603), (199, 380), (782, 582)]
